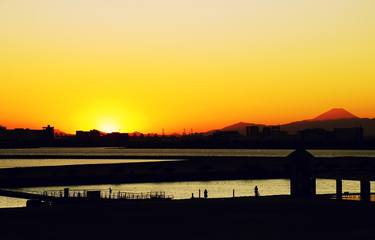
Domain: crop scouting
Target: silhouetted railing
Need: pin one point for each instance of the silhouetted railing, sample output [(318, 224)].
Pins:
[(108, 194)]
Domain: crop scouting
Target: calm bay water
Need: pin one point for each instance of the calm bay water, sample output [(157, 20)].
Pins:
[(180, 190), (184, 190), (86, 153), (16, 163)]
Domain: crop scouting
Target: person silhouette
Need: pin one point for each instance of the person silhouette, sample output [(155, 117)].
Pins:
[(205, 194), (256, 191)]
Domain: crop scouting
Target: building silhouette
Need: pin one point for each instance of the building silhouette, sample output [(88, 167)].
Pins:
[(314, 135), (252, 131), (348, 134), (226, 134), (25, 136), (256, 137), (88, 135)]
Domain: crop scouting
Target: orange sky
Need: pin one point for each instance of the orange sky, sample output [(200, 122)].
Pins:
[(202, 64)]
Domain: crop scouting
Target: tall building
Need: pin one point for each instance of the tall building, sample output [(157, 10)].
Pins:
[(252, 131), (348, 134)]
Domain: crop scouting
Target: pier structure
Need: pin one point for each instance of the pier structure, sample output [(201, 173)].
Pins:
[(302, 181), (303, 177)]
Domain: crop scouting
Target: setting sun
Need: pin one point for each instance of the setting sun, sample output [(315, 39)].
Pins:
[(108, 115), (109, 126)]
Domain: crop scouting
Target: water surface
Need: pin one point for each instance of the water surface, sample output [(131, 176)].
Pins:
[(17, 163), (180, 190), (86, 153), (184, 190)]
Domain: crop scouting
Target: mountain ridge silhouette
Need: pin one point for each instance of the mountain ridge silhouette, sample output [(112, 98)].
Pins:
[(335, 114), (333, 118)]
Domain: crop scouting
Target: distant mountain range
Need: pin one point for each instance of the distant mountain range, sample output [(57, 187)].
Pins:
[(59, 133), (334, 118)]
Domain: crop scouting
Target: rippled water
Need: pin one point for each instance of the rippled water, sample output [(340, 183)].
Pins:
[(178, 152), (143, 152), (16, 163), (87, 152), (184, 190), (179, 190)]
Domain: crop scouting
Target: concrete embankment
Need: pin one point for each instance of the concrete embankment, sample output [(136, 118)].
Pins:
[(187, 168), (191, 169)]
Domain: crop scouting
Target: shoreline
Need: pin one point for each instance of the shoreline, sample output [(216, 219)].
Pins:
[(187, 168), (194, 168)]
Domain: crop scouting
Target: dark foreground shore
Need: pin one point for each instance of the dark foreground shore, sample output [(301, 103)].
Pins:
[(240, 218)]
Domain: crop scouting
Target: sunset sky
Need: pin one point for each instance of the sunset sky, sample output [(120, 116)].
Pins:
[(146, 65)]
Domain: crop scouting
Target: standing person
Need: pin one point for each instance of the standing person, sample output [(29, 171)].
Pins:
[(110, 192), (205, 194), (256, 191)]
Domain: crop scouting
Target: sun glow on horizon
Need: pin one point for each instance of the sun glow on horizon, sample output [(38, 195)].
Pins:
[(107, 115), (109, 126), (118, 123)]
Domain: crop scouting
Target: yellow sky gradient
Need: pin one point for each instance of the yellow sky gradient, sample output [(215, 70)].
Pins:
[(146, 65)]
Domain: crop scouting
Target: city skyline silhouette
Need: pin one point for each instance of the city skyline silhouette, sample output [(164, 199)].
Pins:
[(334, 114)]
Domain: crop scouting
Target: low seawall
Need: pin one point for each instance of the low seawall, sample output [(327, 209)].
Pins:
[(188, 169), (196, 168)]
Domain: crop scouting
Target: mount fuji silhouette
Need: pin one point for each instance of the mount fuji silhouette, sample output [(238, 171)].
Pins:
[(334, 118), (334, 114)]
